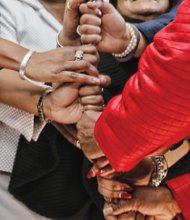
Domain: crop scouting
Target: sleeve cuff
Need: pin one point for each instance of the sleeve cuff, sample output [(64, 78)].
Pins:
[(23, 122)]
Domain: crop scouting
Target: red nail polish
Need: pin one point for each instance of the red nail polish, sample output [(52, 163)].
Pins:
[(90, 174), (100, 172), (125, 195), (127, 188)]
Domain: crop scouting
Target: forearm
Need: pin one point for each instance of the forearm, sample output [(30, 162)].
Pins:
[(11, 54), (153, 110)]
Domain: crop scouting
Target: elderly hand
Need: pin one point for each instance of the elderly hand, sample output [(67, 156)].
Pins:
[(100, 30), (59, 65), (158, 202)]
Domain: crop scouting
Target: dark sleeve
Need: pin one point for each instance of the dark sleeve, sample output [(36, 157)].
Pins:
[(150, 28)]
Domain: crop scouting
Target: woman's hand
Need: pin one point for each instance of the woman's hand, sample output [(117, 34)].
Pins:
[(109, 32), (85, 128), (59, 65), (68, 36), (150, 201)]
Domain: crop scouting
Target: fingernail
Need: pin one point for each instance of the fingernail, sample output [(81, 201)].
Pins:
[(90, 174), (108, 211), (127, 188), (125, 195), (100, 172)]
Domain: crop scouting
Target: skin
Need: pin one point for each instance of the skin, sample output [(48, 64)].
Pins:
[(143, 10), (157, 202)]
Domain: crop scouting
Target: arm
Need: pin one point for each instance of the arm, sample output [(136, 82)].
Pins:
[(153, 110)]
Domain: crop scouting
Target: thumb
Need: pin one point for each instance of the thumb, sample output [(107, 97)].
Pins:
[(105, 7)]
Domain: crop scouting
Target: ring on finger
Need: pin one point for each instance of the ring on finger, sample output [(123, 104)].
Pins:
[(78, 30), (79, 55)]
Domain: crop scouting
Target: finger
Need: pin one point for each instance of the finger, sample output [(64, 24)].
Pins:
[(113, 194), (105, 7), (105, 80), (96, 108), (90, 20), (90, 39), (89, 90), (125, 206), (127, 216), (92, 100), (89, 29), (74, 77), (113, 185), (84, 9), (107, 216), (96, 168)]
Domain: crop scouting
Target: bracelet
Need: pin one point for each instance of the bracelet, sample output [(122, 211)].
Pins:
[(22, 70), (132, 46), (58, 44), (160, 170), (41, 115)]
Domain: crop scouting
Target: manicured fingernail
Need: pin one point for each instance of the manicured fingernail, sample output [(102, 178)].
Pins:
[(125, 195), (100, 172), (108, 211), (90, 174), (127, 188)]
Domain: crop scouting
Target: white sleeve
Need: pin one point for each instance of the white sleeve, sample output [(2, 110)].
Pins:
[(17, 119)]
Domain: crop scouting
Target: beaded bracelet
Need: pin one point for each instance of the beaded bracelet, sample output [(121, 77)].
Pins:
[(41, 115), (132, 46)]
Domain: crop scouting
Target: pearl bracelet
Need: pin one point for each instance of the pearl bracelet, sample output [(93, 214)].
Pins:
[(132, 46), (22, 70)]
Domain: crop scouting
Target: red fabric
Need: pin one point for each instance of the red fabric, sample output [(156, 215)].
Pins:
[(154, 109), (181, 190)]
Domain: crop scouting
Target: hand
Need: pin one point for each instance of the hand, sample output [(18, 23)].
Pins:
[(69, 36), (63, 105), (85, 128), (101, 31), (59, 65), (158, 202), (112, 190), (140, 175)]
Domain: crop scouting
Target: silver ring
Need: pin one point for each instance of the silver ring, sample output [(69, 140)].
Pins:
[(78, 144), (79, 55), (78, 30)]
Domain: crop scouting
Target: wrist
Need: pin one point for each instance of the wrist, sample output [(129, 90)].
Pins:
[(67, 41), (47, 107)]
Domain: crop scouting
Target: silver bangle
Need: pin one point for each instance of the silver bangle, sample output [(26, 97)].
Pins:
[(22, 70), (160, 170), (132, 44)]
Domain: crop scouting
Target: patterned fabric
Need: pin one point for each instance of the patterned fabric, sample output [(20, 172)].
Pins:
[(38, 33)]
